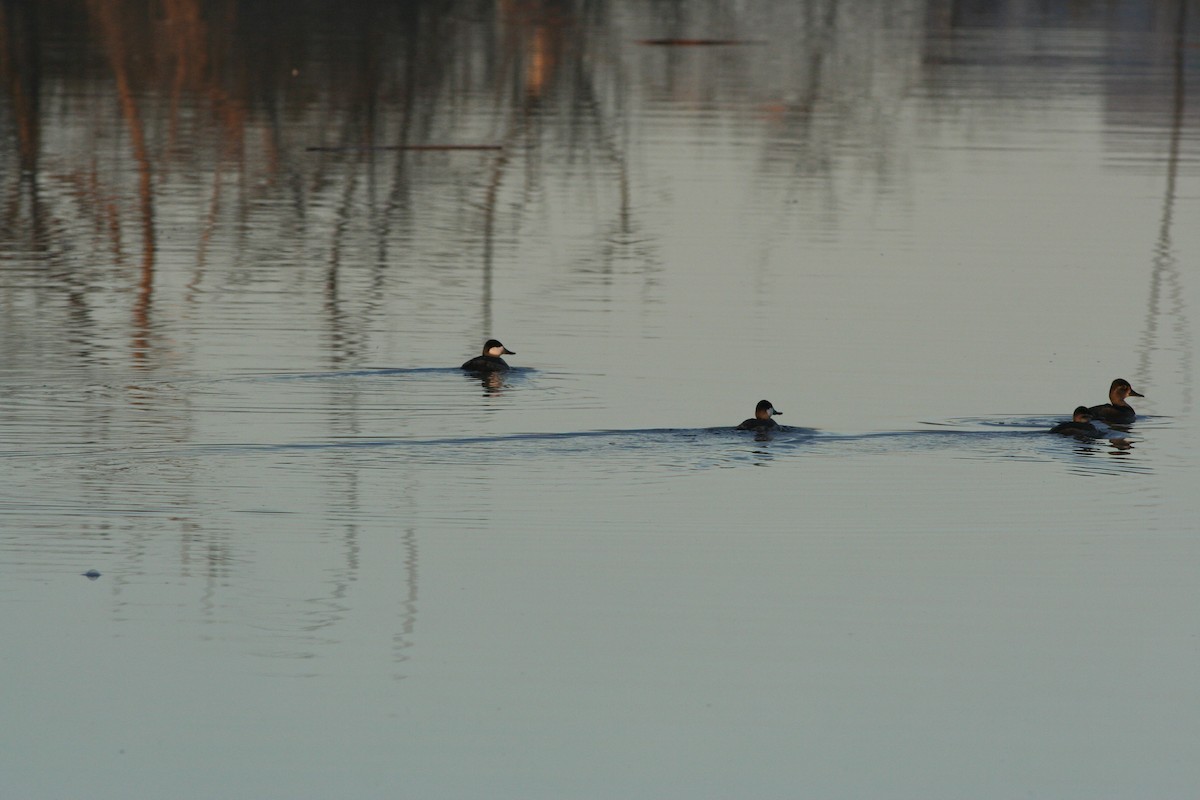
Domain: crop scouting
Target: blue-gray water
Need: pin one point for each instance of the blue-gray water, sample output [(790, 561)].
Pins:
[(332, 564)]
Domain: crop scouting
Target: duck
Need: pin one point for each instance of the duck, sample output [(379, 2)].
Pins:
[(761, 421), (1116, 410), (489, 360), (1080, 425)]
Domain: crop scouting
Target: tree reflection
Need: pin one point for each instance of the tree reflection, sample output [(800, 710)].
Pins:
[(179, 132)]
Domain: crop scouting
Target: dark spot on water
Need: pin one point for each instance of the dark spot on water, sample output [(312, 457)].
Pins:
[(92, 574)]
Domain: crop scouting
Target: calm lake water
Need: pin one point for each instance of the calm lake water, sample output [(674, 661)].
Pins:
[(331, 564)]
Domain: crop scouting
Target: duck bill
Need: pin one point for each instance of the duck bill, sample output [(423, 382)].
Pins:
[(508, 352), (1132, 393)]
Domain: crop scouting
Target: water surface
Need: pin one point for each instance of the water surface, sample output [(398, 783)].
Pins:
[(330, 562)]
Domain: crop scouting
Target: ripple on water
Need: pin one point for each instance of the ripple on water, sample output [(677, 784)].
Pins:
[(141, 448), (671, 450)]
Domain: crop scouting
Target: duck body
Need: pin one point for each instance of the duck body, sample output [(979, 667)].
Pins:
[(759, 425), (485, 364), (1077, 429), (761, 421), (1080, 425), (489, 360), (1113, 414), (1116, 410)]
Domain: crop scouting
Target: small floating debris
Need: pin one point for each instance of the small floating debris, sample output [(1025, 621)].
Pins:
[(395, 147), (92, 574), (698, 42)]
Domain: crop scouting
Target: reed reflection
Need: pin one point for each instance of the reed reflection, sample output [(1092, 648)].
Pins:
[(20, 62), (1165, 297), (217, 89), (193, 124)]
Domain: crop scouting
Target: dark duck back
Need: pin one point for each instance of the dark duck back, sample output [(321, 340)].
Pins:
[(1080, 425)]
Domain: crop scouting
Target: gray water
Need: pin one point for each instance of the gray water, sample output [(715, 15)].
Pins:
[(331, 564)]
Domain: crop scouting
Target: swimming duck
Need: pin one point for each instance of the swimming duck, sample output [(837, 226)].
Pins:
[(761, 421), (490, 360), (1080, 425), (1116, 410)]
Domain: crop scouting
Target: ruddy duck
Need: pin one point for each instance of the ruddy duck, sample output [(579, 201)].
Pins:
[(1116, 410), (1080, 425), (761, 421), (490, 360)]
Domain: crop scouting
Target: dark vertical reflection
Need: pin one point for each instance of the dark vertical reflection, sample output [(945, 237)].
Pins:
[(20, 66), (217, 101), (402, 639), (20, 71), (113, 24), (226, 96), (1165, 283)]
